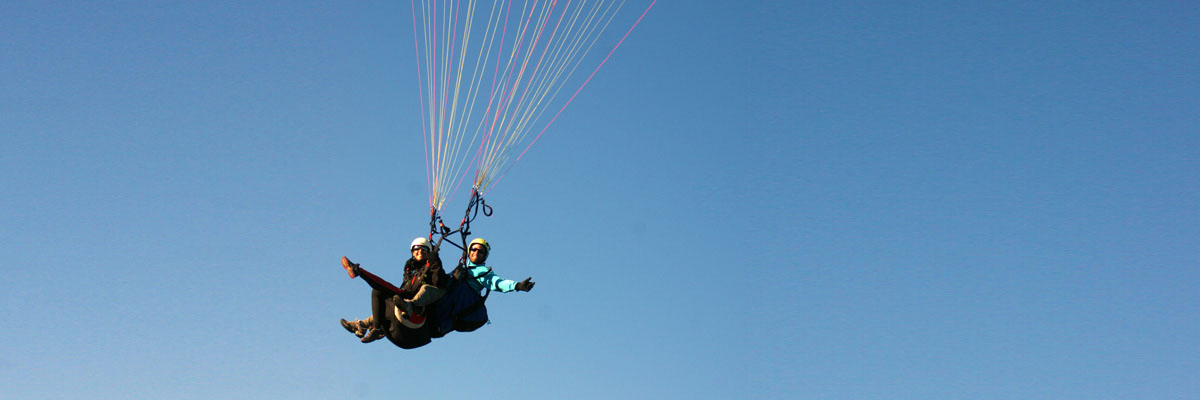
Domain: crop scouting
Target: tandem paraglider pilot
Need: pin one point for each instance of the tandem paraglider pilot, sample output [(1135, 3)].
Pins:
[(481, 276)]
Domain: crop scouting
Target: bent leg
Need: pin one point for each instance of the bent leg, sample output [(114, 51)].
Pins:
[(428, 294)]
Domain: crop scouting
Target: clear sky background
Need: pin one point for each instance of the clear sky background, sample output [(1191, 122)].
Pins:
[(770, 199)]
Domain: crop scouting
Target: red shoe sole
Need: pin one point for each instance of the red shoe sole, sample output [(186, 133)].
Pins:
[(349, 269)]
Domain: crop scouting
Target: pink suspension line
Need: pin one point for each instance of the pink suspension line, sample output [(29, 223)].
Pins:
[(533, 44), (462, 176), (572, 98), (505, 94), (443, 85), (453, 44), (439, 152), (421, 92), (491, 96), (545, 48)]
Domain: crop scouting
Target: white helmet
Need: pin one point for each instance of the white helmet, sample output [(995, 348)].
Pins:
[(422, 242)]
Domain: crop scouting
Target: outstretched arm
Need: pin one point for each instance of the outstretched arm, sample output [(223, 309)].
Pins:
[(507, 285), (498, 284)]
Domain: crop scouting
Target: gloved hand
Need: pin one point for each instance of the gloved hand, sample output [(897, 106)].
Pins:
[(525, 285)]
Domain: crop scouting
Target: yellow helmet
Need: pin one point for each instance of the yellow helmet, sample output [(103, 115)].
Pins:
[(480, 241)]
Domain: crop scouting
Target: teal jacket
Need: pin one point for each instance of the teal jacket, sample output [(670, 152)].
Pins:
[(484, 277)]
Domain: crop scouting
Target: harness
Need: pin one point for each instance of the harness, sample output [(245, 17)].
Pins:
[(460, 276)]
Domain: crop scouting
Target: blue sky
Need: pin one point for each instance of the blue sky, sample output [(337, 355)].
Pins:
[(794, 200)]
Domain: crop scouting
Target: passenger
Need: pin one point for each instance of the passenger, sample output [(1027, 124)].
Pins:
[(423, 285)]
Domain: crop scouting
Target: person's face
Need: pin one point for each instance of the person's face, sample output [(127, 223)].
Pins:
[(419, 253), (477, 253)]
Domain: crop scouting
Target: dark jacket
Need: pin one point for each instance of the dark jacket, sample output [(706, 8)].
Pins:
[(429, 272)]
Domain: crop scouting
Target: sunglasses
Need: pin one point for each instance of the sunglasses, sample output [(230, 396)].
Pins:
[(478, 249)]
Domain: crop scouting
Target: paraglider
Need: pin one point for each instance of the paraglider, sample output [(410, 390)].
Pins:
[(411, 315), (487, 75)]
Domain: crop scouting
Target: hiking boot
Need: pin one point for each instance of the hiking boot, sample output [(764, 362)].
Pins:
[(372, 336), (351, 268), (356, 327)]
